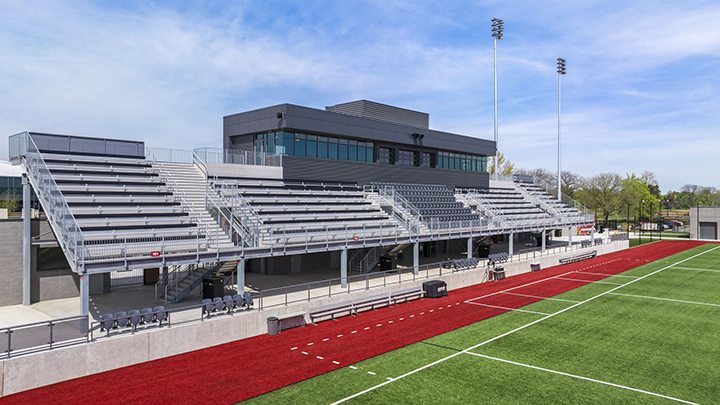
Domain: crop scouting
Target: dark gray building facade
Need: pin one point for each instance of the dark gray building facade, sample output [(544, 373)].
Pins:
[(361, 141)]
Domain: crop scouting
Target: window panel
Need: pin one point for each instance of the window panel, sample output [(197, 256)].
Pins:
[(369, 155), (311, 148), (322, 150), (343, 152), (352, 152), (333, 150), (299, 146)]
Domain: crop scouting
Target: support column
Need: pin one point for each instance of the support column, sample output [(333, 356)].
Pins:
[(544, 237), (510, 244), (470, 247), (416, 258), (165, 277), (570, 237), (84, 294), (27, 245), (263, 266), (241, 276), (343, 267), (592, 236)]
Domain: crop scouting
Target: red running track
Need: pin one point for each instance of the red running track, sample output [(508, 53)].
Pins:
[(246, 368)]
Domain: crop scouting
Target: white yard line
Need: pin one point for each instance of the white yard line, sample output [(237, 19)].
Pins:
[(605, 274), (695, 269), (520, 286), (584, 378), (509, 309), (668, 299), (590, 281), (542, 298), (517, 329)]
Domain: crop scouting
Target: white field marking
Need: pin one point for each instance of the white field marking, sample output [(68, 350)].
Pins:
[(432, 310), (379, 324), (590, 281), (402, 319), (335, 362), (390, 378), (326, 339), (668, 299), (520, 286), (509, 309), (605, 274), (584, 378), (305, 353), (527, 325), (354, 331), (449, 306), (692, 268), (339, 336), (293, 348), (537, 296), (422, 313), (457, 303), (371, 373), (311, 343), (320, 358), (390, 321), (412, 316), (353, 367)]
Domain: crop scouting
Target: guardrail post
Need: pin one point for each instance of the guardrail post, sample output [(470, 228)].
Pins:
[(50, 324)]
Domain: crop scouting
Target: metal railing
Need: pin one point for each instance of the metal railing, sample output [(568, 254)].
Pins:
[(327, 288), (402, 210), (66, 228), (241, 217), (43, 335), (586, 214), (238, 157), (169, 155)]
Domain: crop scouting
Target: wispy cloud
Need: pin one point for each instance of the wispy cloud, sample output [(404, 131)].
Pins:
[(641, 91)]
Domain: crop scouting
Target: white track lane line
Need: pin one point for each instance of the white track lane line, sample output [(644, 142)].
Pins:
[(667, 299), (692, 268), (584, 378), (542, 298), (409, 373), (605, 274), (508, 309), (520, 286), (590, 281)]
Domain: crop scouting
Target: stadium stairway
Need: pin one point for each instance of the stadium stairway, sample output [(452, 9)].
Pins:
[(190, 182)]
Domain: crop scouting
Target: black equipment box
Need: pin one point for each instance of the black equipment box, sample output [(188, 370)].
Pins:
[(499, 273), (213, 287), (386, 263), (483, 251), (435, 289)]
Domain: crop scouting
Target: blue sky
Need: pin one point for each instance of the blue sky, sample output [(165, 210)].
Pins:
[(642, 90)]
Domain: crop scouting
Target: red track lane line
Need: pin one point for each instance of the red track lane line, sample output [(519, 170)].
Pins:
[(245, 368)]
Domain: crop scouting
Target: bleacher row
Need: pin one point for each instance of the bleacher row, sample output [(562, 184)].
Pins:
[(227, 303), (513, 204), (133, 319), (435, 202)]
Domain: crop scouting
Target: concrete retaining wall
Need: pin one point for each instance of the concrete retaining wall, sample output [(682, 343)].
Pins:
[(21, 373)]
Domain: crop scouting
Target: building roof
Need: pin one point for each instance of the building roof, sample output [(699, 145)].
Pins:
[(9, 170)]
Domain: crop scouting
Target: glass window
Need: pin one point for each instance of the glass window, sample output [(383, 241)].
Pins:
[(322, 149), (406, 158), (343, 141), (333, 150), (352, 152), (311, 148), (426, 160), (343, 152), (385, 156), (333, 140), (288, 143), (369, 155), (299, 145)]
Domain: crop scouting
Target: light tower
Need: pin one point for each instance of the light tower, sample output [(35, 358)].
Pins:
[(497, 33), (561, 72)]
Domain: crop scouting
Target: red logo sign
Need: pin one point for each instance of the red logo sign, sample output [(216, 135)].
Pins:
[(356, 238), (155, 254)]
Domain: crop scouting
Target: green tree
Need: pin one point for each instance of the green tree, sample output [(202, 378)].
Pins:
[(10, 200), (505, 166), (636, 194), (601, 193)]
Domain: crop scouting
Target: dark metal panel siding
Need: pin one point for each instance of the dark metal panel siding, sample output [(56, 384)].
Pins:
[(243, 143), (708, 230), (383, 112), (313, 120), (302, 168)]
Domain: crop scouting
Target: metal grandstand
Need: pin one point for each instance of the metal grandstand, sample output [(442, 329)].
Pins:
[(158, 207)]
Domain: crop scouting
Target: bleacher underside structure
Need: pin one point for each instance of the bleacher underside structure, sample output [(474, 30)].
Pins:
[(114, 205)]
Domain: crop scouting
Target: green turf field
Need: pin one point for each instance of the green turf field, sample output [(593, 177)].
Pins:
[(654, 340)]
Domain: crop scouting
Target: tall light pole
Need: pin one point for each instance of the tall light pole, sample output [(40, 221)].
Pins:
[(497, 33), (561, 72)]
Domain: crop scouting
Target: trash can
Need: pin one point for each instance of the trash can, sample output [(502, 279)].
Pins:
[(435, 289), (534, 266), (273, 325)]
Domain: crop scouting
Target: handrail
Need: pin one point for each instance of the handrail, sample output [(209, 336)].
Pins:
[(234, 156), (72, 239), (244, 216), (83, 333), (246, 234)]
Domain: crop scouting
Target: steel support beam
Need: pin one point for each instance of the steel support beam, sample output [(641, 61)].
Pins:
[(416, 258), (343, 267), (241, 276), (84, 294), (470, 247), (543, 240), (510, 244), (27, 244), (570, 237)]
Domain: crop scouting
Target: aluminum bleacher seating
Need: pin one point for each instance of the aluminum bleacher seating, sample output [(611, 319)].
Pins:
[(435, 202)]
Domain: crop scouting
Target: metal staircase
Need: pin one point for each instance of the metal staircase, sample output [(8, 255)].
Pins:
[(183, 280), (190, 183)]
